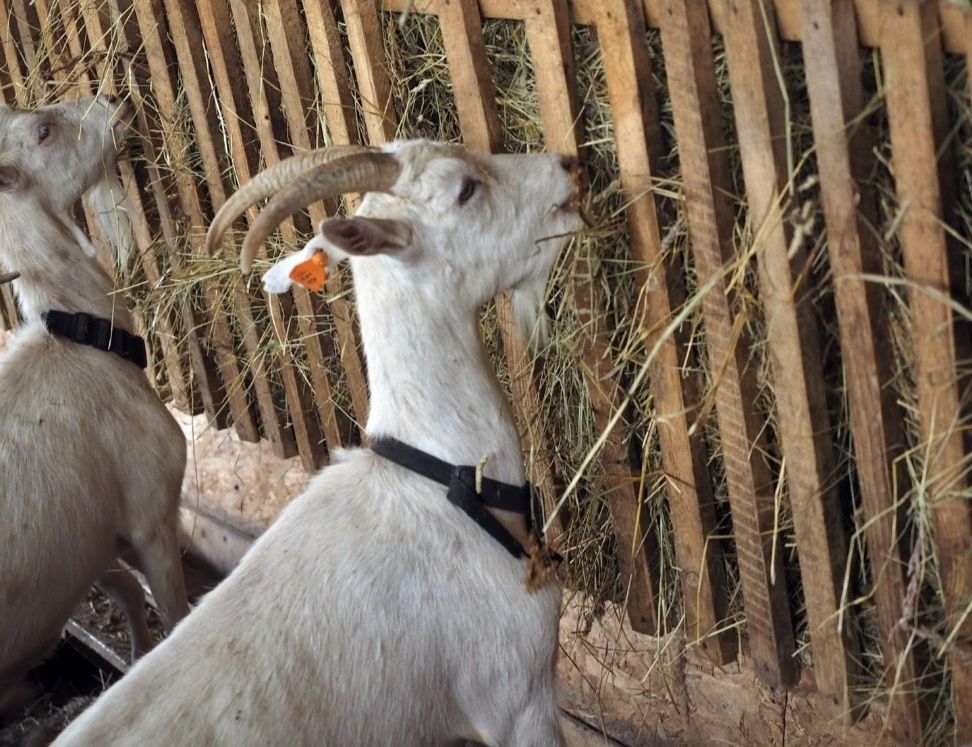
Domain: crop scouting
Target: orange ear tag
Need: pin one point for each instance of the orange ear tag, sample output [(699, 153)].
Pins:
[(311, 273)]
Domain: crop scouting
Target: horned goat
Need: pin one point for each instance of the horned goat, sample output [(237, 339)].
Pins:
[(374, 611), (88, 453)]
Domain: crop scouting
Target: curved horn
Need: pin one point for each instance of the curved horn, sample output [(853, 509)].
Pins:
[(361, 172), (269, 181), (6, 277)]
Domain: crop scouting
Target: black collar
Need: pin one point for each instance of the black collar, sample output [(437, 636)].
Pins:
[(98, 333), (461, 482)]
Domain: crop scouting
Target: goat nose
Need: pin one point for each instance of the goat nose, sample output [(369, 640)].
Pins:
[(112, 99), (570, 164)]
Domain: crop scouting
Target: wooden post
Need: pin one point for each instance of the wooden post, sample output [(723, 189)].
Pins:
[(925, 181)]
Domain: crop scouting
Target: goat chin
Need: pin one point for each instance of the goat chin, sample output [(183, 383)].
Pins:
[(107, 202), (530, 315)]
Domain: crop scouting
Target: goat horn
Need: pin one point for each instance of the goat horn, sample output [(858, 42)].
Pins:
[(6, 277), (269, 181), (360, 172)]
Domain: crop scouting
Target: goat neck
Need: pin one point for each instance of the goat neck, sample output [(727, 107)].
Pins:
[(55, 271), (432, 382)]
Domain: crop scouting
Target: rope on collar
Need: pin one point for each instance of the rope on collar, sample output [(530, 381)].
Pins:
[(461, 483), (96, 332)]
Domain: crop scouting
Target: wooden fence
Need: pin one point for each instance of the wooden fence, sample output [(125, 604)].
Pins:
[(255, 78)]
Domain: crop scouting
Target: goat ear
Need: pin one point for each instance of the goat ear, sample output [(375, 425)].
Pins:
[(359, 236), (11, 178)]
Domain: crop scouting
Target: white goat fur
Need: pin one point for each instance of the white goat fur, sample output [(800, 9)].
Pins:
[(88, 453), (373, 611)]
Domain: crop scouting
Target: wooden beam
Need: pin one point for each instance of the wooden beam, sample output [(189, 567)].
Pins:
[(627, 69), (926, 184)]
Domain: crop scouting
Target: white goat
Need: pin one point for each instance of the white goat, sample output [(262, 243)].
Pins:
[(88, 453), (374, 611)]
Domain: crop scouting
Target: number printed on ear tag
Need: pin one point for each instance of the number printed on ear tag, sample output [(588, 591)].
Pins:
[(311, 273)]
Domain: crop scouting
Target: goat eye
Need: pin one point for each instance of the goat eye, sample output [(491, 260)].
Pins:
[(468, 190), (43, 132)]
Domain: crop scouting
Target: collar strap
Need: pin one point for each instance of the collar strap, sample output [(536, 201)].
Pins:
[(461, 482), (96, 332)]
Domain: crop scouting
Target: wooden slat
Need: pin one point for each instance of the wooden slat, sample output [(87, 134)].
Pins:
[(843, 159), (297, 97), (262, 112), (8, 306), (465, 50), (365, 43), (8, 42), (479, 119), (166, 331), (707, 184), (548, 37), (25, 28), (210, 388), (338, 107), (192, 64), (794, 352), (54, 45), (967, 27), (337, 102), (164, 88), (482, 131), (627, 69), (926, 184), (788, 12), (794, 356)]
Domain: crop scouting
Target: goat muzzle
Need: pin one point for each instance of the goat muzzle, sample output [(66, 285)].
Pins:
[(298, 181)]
